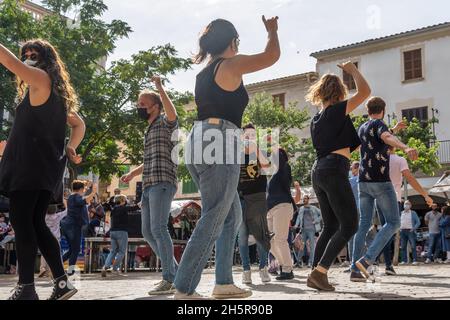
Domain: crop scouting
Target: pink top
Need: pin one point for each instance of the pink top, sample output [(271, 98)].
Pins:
[(397, 166)]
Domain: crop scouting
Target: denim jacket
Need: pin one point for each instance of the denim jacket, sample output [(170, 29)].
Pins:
[(415, 220), (316, 216)]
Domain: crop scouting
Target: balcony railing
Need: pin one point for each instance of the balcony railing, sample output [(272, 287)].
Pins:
[(444, 152)]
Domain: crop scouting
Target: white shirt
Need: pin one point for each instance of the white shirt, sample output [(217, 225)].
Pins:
[(397, 166), (406, 220)]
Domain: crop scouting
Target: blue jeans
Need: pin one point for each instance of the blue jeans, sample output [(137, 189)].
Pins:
[(221, 212), (388, 249), (156, 203), (386, 199), (411, 237), (244, 250), (434, 245), (311, 236), (72, 233), (119, 243)]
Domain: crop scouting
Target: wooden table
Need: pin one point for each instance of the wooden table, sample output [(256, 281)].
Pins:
[(92, 242)]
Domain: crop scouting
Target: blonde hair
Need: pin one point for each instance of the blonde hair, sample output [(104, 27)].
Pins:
[(120, 198), (153, 95), (329, 88), (51, 62)]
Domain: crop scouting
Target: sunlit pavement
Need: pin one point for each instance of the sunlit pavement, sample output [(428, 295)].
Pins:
[(412, 282)]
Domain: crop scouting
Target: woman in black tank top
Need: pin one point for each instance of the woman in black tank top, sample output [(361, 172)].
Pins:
[(221, 101), (34, 160)]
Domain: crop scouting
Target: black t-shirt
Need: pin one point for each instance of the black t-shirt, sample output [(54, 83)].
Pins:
[(333, 129), (77, 210), (374, 152), (119, 217), (251, 180)]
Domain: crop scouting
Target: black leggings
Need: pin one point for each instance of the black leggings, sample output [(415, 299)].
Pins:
[(27, 212), (337, 203)]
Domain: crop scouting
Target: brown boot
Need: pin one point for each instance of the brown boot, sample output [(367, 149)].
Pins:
[(318, 280)]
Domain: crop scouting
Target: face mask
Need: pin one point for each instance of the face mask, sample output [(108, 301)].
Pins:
[(143, 114), (407, 207), (31, 63)]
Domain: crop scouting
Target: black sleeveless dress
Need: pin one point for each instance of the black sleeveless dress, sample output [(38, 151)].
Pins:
[(34, 158)]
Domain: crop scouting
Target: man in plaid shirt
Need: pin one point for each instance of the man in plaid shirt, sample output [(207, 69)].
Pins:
[(159, 179)]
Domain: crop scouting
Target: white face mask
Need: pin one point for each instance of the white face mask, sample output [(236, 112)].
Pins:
[(407, 207), (31, 63)]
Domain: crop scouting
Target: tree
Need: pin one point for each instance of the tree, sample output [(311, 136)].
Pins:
[(106, 94), (266, 113)]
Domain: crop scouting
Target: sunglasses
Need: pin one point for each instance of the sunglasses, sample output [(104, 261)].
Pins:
[(33, 56)]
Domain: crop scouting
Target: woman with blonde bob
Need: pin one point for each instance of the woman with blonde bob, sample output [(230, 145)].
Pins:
[(334, 138), (34, 160)]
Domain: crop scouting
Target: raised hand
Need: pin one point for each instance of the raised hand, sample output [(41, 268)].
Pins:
[(412, 154), (429, 200), (127, 178), (73, 156), (399, 127), (348, 67), (271, 24), (157, 81)]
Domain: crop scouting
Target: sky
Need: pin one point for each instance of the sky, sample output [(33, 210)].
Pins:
[(305, 26)]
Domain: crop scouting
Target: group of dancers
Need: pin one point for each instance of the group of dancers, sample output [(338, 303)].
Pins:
[(36, 155)]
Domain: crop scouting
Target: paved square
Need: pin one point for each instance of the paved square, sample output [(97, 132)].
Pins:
[(412, 282)]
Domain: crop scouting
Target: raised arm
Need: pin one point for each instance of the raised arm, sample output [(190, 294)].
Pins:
[(134, 173), (393, 141), (363, 90), (168, 106), (244, 64), (78, 130), (416, 186), (34, 77)]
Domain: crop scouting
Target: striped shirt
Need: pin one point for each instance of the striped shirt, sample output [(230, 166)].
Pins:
[(158, 164)]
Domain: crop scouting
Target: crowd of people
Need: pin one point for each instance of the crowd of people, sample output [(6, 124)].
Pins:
[(238, 198)]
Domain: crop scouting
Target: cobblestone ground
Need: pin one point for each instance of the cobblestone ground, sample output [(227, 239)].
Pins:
[(412, 283)]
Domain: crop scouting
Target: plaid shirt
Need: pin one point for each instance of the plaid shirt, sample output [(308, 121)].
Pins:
[(158, 164)]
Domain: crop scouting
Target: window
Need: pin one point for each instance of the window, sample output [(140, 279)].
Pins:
[(420, 114), (281, 99), (412, 61), (348, 79), (189, 187)]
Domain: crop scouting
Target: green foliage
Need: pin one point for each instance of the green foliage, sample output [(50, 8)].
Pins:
[(107, 94)]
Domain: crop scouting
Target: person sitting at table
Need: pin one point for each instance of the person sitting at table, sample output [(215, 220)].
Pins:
[(118, 234)]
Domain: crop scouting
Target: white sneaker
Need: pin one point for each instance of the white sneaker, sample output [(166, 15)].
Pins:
[(447, 261), (415, 263), (264, 274), (403, 263), (247, 277), (195, 296), (428, 261), (439, 261), (230, 291)]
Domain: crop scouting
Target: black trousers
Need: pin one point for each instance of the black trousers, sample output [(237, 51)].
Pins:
[(338, 207), (27, 213)]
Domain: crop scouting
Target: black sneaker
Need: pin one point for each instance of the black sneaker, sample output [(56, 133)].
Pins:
[(285, 276), (357, 277), (390, 271), (24, 292), (63, 289), (363, 266)]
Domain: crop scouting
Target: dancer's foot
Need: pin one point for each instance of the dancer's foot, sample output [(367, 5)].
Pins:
[(63, 289), (164, 288), (363, 266), (195, 296), (319, 280), (247, 277), (390, 271), (230, 291), (264, 274), (357, 277), (43, 274), (24, 292), (284, 276)]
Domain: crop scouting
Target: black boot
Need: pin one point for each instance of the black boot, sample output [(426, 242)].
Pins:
[(24, 292), (63, 289)]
